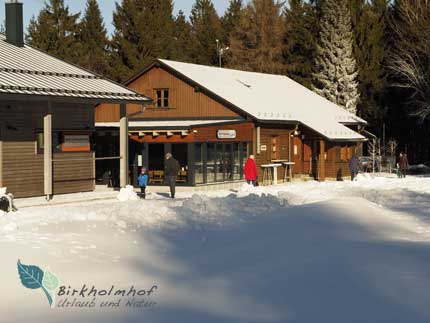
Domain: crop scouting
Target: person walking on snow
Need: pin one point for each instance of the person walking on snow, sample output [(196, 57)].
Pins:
[(171, 169), (353, 166), (143, 182), (250, 170), (403, 165)]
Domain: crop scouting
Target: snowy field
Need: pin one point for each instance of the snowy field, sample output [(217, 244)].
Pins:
[(303, 252)]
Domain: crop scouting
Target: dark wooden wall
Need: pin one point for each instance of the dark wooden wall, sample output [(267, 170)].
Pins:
[(266, 134), (185, 102), (22, 166), (306, 155), (203, 134)]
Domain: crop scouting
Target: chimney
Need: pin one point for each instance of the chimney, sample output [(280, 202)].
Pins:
[(14, 23)]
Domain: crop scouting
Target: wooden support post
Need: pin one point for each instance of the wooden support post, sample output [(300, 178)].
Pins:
[(123, 147), (258, 139), (47, 154), (321, 175)]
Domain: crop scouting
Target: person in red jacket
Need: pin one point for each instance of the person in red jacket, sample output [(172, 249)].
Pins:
[(250, 170)]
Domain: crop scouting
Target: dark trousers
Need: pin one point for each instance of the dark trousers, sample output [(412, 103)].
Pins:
[(171, 181), (353, 175), (403, 172), (254, 183), (142, 192)]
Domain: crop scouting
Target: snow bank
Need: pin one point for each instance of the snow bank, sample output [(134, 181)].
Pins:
[(127, 194), (9, 227), (302, 252), (3, 190)]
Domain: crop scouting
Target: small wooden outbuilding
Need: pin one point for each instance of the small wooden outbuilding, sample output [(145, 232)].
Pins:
[(47, 117)]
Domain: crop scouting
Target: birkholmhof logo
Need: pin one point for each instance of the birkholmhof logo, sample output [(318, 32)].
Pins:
[(34, 278)]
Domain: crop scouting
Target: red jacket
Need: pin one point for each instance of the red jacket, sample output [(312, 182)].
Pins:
[(250, 170)]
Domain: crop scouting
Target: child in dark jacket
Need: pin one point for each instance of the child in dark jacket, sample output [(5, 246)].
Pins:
[(143, 182)]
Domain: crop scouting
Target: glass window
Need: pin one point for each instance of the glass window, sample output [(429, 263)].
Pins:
[(162, 98), (166, 98), (219, 163), (228, 162), (57, 140), (159, 99), (210, 164), (245, 151), (245, 154), (198, 163), (236, 161), (40, 141)]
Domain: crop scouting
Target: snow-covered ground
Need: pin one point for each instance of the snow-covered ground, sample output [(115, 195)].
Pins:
[(303, 252)]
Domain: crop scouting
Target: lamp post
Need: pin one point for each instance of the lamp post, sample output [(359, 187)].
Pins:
[(220, 51)]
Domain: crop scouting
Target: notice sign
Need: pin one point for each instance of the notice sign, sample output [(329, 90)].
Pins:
[(76, 143), (226, 134)]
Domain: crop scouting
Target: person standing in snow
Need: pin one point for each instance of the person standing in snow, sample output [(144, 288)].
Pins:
[(399, 173), (171, 169), (403, 165), (353, 166), (250, 170), (143, 182)]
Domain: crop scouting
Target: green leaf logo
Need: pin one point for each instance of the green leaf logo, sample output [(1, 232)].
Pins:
[(50, 281), (33, 277)]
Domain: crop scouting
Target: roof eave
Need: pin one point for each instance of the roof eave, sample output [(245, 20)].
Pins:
[(66, 99)]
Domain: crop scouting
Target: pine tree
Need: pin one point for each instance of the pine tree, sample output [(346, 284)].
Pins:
[(256, 43), (56, 31), (144, 30), (94, 40), (336, 71), (206, 29), (369, 23), (300, 39), (182, 40), (231, 19)]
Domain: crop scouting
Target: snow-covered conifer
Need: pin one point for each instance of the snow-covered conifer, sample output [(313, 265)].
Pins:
[(336, 76)]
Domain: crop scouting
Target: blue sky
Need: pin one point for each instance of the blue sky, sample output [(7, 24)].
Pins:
[(32, 7)]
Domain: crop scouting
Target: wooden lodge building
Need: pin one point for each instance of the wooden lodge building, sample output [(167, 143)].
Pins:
[(212, 118), (47, 117)]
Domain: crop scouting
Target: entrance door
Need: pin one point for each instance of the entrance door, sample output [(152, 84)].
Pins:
[(275, 151), (180, 153), (136, 160), (307, 157), (156, 163), (315, 158), (297, 155)]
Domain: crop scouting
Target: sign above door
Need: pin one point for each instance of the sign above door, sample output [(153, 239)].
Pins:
[(226, 134)]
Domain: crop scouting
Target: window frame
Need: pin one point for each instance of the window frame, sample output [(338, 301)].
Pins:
[(57, 144), (162, 98)]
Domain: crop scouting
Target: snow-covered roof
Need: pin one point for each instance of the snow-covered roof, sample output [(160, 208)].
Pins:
[(28, 71), (162, 124), (268, 97)]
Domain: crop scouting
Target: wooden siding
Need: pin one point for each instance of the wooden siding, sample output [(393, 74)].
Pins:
[(265, 157), (1, 163), (22, 166), (76, 175), (184, 101), (307, 156), (204, 134)]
